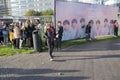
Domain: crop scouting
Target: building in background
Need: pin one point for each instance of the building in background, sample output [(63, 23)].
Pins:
[(102, 2), (113, 3), (19, 7), (87, 1), (5, 8)]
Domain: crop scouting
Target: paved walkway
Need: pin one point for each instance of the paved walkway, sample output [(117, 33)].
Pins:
[(90, 61)]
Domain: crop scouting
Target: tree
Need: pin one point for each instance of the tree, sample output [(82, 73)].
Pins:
[(32, 13), (37, 13), (48, 12)]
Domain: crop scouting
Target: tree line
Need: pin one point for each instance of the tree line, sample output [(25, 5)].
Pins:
[(39, 13)]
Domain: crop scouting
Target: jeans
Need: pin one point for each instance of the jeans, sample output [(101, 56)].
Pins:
[(29, 42), (5, 39), (17, 42)]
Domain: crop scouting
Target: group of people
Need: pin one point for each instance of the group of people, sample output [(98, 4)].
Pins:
[(4, 31), (19, 34)]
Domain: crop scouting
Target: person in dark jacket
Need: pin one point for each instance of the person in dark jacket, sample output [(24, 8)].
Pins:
[(88, 31), (59, 34), (50, 36), (116, 26), (28, 31), (1, 35), (5, 34)]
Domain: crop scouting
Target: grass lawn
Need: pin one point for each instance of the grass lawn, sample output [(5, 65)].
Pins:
[(81, 41), (8, 51)]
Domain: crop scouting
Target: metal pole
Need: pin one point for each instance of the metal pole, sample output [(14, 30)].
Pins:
[(55, 13)]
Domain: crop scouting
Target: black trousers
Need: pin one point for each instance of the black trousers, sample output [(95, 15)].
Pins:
[(50, 45), (58, 43), (116, 31), (29, 42), (17, 42), (1, 40), (87, 36)]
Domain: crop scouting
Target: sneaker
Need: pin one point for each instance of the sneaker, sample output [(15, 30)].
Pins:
[(51, 59)]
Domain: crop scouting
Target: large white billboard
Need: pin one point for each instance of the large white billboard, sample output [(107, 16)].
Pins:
[(75, 16)]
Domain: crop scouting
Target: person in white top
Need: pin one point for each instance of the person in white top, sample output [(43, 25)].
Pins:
[(38, 25)]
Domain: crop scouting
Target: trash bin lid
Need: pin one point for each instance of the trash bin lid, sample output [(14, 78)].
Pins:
[(35, 31)]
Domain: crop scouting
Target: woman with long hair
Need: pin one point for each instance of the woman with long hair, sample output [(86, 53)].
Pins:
[(28, 30), (50, 36), (17, 35)]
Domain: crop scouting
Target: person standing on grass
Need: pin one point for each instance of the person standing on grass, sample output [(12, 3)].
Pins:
[(1, 34), (32, 25), (38, 27), (45, 28), (116, 26), (23, 33), (5, 34), (28, 30), (50, 36), (17, 35), (11, 36), (88, 31), (59, 34)]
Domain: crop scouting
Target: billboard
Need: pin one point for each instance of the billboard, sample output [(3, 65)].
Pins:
[(75, 16)]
